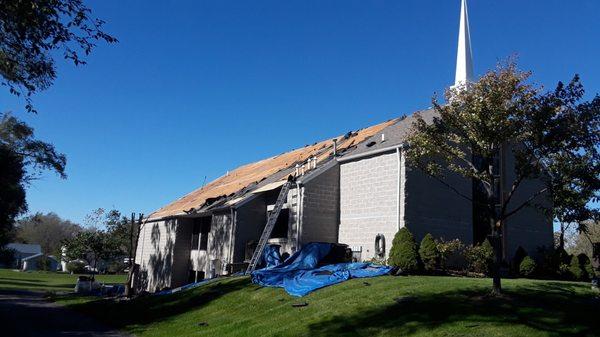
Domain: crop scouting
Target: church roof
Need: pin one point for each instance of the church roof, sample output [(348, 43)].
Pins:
[(394, 134), (234, 186)]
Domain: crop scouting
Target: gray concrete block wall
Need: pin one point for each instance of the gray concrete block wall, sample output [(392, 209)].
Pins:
[(369, 201), (432, 207), (529, 228), (320, 214), (293, 202)]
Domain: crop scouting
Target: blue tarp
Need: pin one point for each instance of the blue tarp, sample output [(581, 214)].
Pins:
[(271, 256), (299, 274)]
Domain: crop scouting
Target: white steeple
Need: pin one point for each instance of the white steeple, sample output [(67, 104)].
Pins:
[(464, 55)]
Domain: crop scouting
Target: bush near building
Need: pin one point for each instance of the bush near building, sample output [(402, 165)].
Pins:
[(429, 253), (480, 258), (76, 267), (527, 267), (403, 253)]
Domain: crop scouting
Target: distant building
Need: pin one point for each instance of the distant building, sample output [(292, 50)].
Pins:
[(34, 262), (22, 251)]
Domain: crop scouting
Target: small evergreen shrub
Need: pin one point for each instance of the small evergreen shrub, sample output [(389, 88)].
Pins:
[(527, 267), (403, 253), (448, 250), (480, 258), (429, 253), (76, 267), (575, 269)]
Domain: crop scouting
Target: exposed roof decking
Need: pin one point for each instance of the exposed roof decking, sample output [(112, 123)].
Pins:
[(265, 170)]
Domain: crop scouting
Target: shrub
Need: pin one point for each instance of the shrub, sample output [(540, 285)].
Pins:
[(44, 263), (448, 249), (76, 267), (589, 270), (586, 266), (404, 251), (429, 253), (575, 269), (480, 258), (116, 267), (527, 267)]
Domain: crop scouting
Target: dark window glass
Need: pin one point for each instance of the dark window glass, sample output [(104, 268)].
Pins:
[(204, 230), (281, 226), (195, 236)]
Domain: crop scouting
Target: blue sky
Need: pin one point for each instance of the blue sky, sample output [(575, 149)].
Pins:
[(196, 88)]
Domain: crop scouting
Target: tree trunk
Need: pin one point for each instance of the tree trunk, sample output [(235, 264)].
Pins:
[(496, 241)]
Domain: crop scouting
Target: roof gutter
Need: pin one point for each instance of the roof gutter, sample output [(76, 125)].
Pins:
[(372, 153)]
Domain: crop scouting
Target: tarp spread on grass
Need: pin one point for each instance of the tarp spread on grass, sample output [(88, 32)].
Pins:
[(299, 274)]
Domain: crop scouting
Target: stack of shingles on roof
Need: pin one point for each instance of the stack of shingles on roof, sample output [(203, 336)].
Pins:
[(235, 185)]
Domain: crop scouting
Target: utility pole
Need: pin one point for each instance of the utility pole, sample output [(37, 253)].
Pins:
[(134, 235)]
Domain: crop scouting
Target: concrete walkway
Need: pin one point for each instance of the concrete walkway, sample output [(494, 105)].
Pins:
[(27, 314)]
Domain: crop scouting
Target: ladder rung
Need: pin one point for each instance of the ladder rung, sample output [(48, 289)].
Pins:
[(266, 234)]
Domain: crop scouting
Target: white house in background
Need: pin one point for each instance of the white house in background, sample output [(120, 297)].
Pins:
[(33, 262), (23, 250), (350, 189)]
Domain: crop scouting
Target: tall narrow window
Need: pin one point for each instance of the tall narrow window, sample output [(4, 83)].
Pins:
[(195, 236), (281, 225), (204, 230)]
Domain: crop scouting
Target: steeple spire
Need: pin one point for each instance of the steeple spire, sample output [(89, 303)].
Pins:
[(464, 55)]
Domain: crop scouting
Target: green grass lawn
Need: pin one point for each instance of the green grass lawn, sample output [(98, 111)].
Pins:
[(47, 281), (383, 306)]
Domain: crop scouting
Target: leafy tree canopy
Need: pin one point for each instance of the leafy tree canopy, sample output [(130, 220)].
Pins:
[(32, 31), (553, 137), (47, 230), (22, 159)]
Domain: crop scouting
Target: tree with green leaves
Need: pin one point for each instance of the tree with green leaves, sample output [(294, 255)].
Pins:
[(47, 230), (92, 246), (22, 159), (34, 32), (575, 190), (500, 115)]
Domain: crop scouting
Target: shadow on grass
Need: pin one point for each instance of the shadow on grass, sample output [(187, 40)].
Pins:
[(26, 284), (150, 309), (557, 309), (3, 279)]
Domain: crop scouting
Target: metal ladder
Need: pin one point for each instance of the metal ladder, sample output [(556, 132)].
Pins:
[(266, 234)]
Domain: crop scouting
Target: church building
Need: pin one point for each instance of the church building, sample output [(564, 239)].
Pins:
[(354, 189)]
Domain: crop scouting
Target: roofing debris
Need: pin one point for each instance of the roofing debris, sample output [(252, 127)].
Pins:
[(239, 182)]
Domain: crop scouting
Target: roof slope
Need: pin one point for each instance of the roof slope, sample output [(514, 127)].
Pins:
[(25, 248), (250, 174), (395, 134)]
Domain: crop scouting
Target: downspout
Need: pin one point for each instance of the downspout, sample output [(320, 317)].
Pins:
[(398, 189), (298, 214), (232, 234)]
